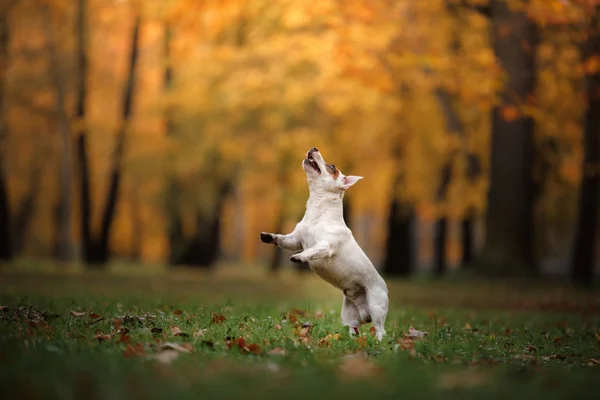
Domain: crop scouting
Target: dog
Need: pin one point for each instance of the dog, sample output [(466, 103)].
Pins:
[(323, 240)]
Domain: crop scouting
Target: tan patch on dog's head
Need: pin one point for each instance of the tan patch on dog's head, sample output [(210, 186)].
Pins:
[(333, 171)]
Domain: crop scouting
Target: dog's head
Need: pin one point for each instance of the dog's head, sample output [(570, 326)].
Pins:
[(325, 177)]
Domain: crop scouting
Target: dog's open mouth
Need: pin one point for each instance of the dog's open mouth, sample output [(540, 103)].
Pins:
[(312, 163)]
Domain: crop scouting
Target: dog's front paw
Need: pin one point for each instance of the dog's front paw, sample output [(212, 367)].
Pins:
[(268, 238), (296, 259)]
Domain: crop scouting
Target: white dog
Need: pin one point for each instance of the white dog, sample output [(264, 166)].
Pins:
[(330, 249)]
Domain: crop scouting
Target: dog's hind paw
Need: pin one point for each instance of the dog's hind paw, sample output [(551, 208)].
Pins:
[(267, 237)]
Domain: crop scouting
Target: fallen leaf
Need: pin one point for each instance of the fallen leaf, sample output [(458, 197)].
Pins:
[(319, 314), (326, 341), (362, 341), (358, 366), (468, 326), (93, 315), (77, 313), (277, 326), (117, 324), (177, 312), (199, 333), (558, 341), (136, 350), (528, 357), (182, 348), (531, 348), (101, 337), (253, 348), (407, 344), (166, 356), (304, 330), (594, 361), (4, 308), (553, 357), (413, 333), (217, 318), (124, 338), (175, 331), (372, 331), (439, 358), (277, 351)]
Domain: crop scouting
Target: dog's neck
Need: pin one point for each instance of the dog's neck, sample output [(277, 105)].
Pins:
[(325, 206)]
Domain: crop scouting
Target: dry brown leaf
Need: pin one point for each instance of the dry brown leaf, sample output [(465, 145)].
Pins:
[(319, 314), (277, 326), (101, 337), (93, 315), (362, 341), (182, 348), (166, 356), (468, 327), (277, 351), (217, 318), (595, 361), (414, 333), (135, 350), (326, 341), (177, 312), (175, 331), (407, 344), (117, 324), (358, 366), (3, 308), (372, 331), (77, 313), (200, 332)]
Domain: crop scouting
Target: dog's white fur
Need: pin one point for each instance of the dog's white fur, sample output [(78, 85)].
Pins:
[(328, 246)]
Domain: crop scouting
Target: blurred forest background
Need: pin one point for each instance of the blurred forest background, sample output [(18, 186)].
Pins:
[(172, 131)]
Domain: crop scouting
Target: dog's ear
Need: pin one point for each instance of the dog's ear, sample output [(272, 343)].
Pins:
[(350, 180)]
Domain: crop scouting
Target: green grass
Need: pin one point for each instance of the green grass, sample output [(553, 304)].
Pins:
[(485, 340)]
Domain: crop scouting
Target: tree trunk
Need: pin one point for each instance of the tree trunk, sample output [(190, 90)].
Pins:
[(22, 221), (466, 234), (64, 245), (6, 250), (112, 198), (399, 252), (85, 197), (586, 231), (202, 249), (508, 249)]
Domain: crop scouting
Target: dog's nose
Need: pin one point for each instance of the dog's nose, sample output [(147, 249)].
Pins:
[(314, 149)]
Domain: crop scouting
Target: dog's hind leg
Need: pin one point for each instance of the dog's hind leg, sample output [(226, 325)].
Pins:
[(350, 316), (377, 301)]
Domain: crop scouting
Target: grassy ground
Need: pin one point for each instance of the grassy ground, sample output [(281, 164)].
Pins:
[(241, 333)]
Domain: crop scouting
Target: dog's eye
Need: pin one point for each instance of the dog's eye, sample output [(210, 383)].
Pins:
[(332, 167)]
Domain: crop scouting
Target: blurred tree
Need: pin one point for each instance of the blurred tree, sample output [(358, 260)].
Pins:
[(584, 247), (63, 242), (508, 245), (6, 250), (81, 133), (96, 247)]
